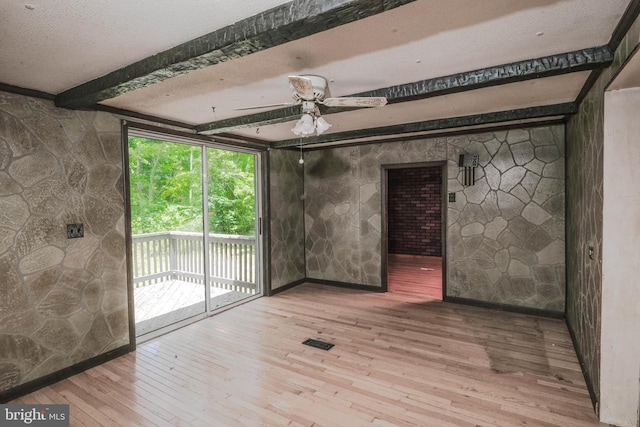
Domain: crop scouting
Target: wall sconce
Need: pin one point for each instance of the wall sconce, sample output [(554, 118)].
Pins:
[(469, 162)]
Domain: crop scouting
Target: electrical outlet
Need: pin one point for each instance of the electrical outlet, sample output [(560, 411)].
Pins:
[(75, 231), (452, 197)]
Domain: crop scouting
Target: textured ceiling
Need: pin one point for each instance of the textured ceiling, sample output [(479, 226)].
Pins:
[(53, 47)]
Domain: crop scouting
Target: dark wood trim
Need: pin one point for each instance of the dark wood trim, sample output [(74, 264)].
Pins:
[(356, 286), (442, 134), (286, 287), (552, 65), (31, 386), (585, 374), (628, 18), (265, 222), (384, 185), (26, 92), (134, 115), (281, 24), (444, 221), (438, 124), (384, 235), (203, 138), (505, 307), (264, 118), (547, 66), (124, 137), (626, 62), (588, 85)]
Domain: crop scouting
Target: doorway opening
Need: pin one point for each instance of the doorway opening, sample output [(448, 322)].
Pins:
[(195, 216), (414, 230)]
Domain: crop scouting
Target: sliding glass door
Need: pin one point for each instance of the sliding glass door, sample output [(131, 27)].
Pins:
[(232, 239), (194, 217)]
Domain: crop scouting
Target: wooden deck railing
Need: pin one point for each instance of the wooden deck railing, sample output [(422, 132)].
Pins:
[(174, 255)]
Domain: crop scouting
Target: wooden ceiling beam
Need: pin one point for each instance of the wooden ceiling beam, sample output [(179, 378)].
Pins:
[(438, 124), (279, 25), (548, 66)]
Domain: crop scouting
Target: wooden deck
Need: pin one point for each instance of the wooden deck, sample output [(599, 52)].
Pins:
[(397, 361)]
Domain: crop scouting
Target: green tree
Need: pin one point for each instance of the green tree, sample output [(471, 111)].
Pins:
[(166, 188)]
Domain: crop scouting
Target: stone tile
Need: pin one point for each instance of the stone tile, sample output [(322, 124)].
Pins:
[(509, 205), (535, 214), (33, 168), (523, 152), (41, 259), (552, 254), (538, 240), (490, 206), (14, 212), (8, 185), (6, 239), (58, 335), (517, 135), (494, 228), (472, 229), (547, 153), (11, 375), (511, 178), (530, 182), (49, 131), (555, 169), (19, 139), (25, 351), (477, 193), (521, 194), (548, 187), (503, 160), (13, 297), (493, 176), (47, 158)]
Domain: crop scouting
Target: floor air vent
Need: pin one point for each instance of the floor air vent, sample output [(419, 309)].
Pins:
[(318, 344)]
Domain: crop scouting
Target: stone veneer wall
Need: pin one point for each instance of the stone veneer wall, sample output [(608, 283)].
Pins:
[(585, 142), (505, 234), (287, 219), (61, 301)]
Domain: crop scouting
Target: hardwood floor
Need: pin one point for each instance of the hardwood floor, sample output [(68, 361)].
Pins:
[(397, 361), (415, 275), (165, 303)]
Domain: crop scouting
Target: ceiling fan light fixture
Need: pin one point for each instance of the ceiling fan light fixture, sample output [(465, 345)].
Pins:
[(305, 126), (321, 125)]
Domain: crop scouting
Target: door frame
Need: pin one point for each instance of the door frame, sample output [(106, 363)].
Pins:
[(170, 135), (384, 191)]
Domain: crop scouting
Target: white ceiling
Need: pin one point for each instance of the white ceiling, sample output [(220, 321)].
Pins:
[(53, 46)]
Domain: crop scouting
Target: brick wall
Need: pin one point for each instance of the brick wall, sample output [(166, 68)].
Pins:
[(415, 211)]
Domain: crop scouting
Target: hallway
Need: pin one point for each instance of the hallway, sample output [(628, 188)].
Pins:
[(415, 275)]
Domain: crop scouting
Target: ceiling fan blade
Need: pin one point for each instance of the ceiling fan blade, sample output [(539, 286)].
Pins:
[(303, 86), (282, 104), (355, 101)]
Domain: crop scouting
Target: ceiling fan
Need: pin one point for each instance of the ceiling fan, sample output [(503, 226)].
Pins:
[(310, 90)]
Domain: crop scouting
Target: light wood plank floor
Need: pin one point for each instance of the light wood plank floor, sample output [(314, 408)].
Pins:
[(397, 361), (415, 275), (165, 303)]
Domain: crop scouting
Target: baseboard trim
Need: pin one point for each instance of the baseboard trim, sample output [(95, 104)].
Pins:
[(505, 307), (286, 287), (585, 374), (31, 386), (347, 285)]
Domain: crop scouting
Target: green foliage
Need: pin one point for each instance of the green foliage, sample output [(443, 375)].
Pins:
[(166, 188)]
